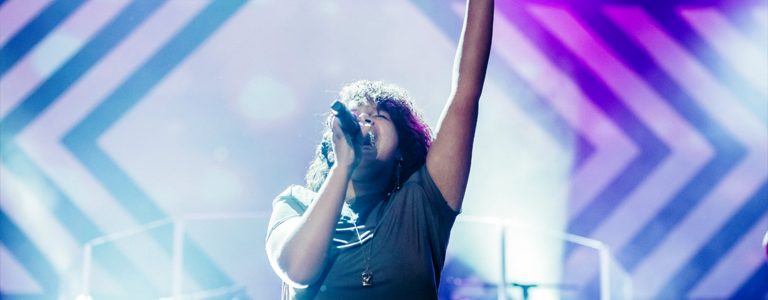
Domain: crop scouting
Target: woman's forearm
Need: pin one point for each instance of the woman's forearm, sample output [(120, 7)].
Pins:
[(474, 48), (301, 257)]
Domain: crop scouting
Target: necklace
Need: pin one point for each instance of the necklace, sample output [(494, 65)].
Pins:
[(367, 275)]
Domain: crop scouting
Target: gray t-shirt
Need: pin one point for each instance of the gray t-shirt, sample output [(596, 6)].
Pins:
[(404, 235)]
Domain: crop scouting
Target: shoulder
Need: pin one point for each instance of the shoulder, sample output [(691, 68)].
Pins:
[(295, 195), (291, 203), (422, 182), (420, 178)]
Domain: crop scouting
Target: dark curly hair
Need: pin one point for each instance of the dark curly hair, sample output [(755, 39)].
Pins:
[(413, 133)]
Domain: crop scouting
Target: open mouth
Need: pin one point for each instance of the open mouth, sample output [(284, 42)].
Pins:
[(369, 140)]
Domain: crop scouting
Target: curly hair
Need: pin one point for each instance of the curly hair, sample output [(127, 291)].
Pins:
[(414, 134)]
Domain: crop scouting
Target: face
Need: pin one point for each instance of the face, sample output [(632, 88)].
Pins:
[(380, 148)]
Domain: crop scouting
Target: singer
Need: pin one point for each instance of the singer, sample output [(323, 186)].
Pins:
[(381, 197)]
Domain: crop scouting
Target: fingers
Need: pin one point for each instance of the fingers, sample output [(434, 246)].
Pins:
[(335, 126), (346, 148), (338, 132)]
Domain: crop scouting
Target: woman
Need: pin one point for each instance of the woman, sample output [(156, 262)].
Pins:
[(375, 217)]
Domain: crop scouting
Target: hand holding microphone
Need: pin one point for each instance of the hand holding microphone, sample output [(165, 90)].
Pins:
[(347, 121), (346, 136)]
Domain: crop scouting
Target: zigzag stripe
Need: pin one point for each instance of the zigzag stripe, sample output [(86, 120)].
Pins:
[(584, 150), (735, 48), (708, 255), (750, 27), (81, 140), (725, 158), (649, 106), (608, 156), (41, 139), (652, 150), (755, 285), (727, 153), (734, 268), (642, 256), (730, 45), (32, 33), (29, 256), (709, 59), (612, 198), (78, 224), (17, 14), (142, 208), (654, 231), (709, 213), (659, 236), (542, 112), (54, 50), (74, 68)]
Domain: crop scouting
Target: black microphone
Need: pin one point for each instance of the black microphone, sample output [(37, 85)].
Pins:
[(347, 121)]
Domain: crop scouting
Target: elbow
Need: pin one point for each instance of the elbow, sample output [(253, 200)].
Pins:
[(299, 277), (293, 273)]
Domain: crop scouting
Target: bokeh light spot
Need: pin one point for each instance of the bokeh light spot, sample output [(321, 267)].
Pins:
[(265, 100)]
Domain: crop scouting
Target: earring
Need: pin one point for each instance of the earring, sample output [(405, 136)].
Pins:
[(397, 174)]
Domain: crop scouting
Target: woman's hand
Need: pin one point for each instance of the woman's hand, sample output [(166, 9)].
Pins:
[(345, 147)]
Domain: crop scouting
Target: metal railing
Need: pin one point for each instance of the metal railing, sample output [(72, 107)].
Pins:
[(177, 252), (179, 225), (504, 225)]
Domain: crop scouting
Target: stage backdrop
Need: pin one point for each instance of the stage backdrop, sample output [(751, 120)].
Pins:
[(143, 141)]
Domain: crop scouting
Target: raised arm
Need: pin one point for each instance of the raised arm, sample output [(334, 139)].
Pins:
[(449, 158)]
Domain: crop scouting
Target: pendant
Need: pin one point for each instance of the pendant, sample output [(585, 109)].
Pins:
[(367, 278)]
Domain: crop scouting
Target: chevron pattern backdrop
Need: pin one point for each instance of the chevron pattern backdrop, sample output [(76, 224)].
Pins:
[(639, 124)]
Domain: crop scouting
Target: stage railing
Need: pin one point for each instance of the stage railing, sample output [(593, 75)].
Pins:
[(177, 257), (606, 258)]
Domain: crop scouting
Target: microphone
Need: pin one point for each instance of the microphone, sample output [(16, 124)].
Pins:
[(346, 119)]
